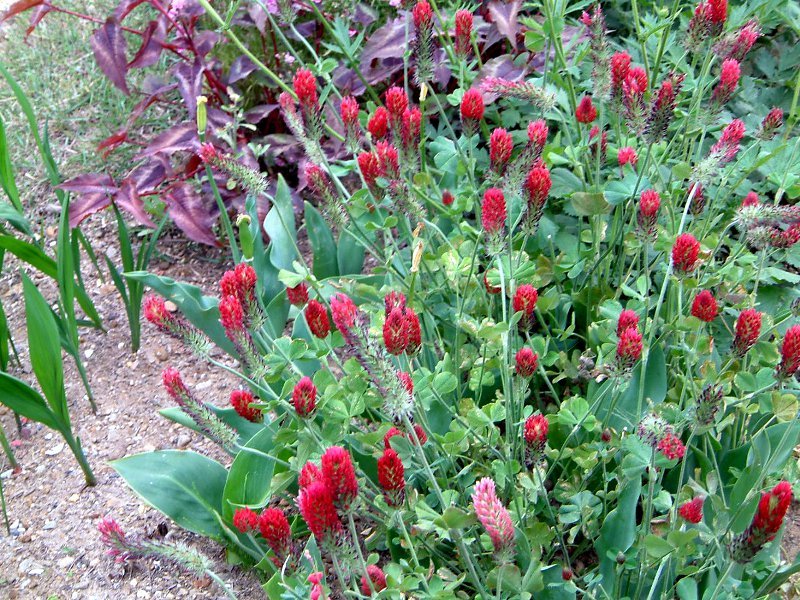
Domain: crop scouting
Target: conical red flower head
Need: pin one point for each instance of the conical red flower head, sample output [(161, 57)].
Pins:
[(538, 185), (629, 348), (772, 508), (524, 301), (423, 15), (231, 315), (173, 383), (317, 318), (370, 168), (340, 476), (388, 159), (750, 200), (305, 87), (526, 362), (447, 198), (414, 331), (207, 153), (463, 32), (344, 313), (620, 65), (790, 353), (349, 111), (308, 475), (494, 517), (391, 477), (393, 300), (304, 397), (704, 306), (500, 147), (241, 401), (728, 80), (155, 310), (376, 576), (537, 135), (685, 253), (627, 156), (727, 147), (393, 431), (318, 511), (535, 432), (493, 211), (718, 11), (627, 319), (421, 435), (692, 511), (396, 104), (585, 111), (245, 520), (771, 123), (275, 529), (298, 295), (748, 329), (412, 125), (472, 105), (395, 332), (406, 380), (671, 447), (378, 124)]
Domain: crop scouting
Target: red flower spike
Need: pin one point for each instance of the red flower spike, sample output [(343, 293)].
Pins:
[(537, 186), (378, 124), (627, 319), (308, 475), (414, 332), (692, 511), (298, 295), (275, 529), (422, 14), (585, 111), (305, 87), (748, 330), (493, 211), (728, 80), (393, 431), (500, 147), (421, 435), (393, 300), (317, 318), (231, 315), (535, 432), (318, 511), (388, 159), (407, 381), (718, 11), (627, 156), (750, 200), (155, 311), (671, 447), (525, 298), (304, 397), (471, 109), (727, 147), (349, 111), (790, 353), (620, 65), (241, 401), (494, 517), (629, 348), (704, 306), (344, 313), (173, 383), (537, 135), (376, 576), (370, 168), (463, 41), (245, 520), (395, 332), (593, 133), (207, 153), (391, 477), (447, 198), (771, 123), (772, 508), (396, 104), (526, 362), (685, 253), (340, 476)]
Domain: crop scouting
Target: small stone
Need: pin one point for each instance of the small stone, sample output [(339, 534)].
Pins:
[(161, 354), (170, 306), (74, 498), (65, 562), (54, 450), (36, 571), (49, 525), (142, 594), (89, 352), (24, 565), (25, 537), (204, 384)]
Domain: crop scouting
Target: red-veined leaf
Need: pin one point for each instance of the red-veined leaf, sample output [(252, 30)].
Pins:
[(19, 7), (190, 83), (109, 47), (152, 45), (181, 137), (191, 214), (150, 175), (37, 17), (128, 199), (112, 142), (94, 192), (504, 15)]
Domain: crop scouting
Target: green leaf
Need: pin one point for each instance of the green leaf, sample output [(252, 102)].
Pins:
[(23, 399), (7, 180), (45, 349), (185, 486), (619, 528), (655, 389), (201, 311), (565, 183), (350, 255), (279, 225), (323, 244), (587, 205), (246, 429), (15, 218), (657, 547)]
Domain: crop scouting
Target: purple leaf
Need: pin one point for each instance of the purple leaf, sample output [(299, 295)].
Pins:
[(37, 17), (94, 192), (187, 209), (125, 7), (150, 175), (388, 41), (150, 50), (190, 83), (504, 15), (179, 137), (19, 7), (240, 68), (205, 41), (259, 113), (128, 199), (109, 46), (113, 142)]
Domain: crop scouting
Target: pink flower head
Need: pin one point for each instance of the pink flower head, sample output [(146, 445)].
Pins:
[(155, 311), (274, 528), (447, 198), (377, 578), (471, 107), (771, 123), (629, 348), (704, 306), (627, 319), (422, 14), (388, 159), (370, 168), (406, 380), (692, 511), (378, 124), (751, 199), (620, 65), (493, 211), (304, 397), (535, 432), (790, 353), (728, 80), (603, 143), (647, 217), (349, 111), (308, 475), (241, 401), (344, 314), (231, 316), (414, 331), (537, 187), (526, 362), (537, 135), (663, 107), (585, 111), (748, 330), (396, 104), (340, 477), (317, 318), (112, 535), (634, 88), (525, 298), (500, 147), (393, 300), (718, 11), (315, 502), (727, 147), (305, 87), (393, 431), (391, 477), (173, 383), (772, 509), (298, 295), (395, 332), (698, 203), (671, 447), (494, 517), (463, 36), (245, 520), (208, 153), (685, 253), (627, 156)]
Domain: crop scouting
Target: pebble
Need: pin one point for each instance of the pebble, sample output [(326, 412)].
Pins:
[(54, 450), (184, 440), (89, 352), (142, 594), (170, 306), (74, 498), (65, 562), (49, 525)]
